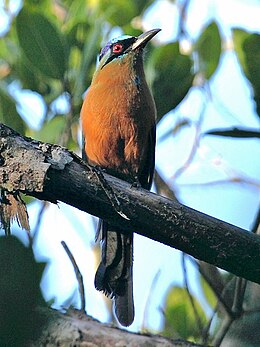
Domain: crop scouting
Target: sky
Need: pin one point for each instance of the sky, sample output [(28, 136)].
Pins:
[(216, 159)]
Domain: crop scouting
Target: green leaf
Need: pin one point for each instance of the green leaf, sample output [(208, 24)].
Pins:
[(173, 77), (185, 122), (6, 52), (208, 292), (51, 131), (40, 267), (77, 34), (142, 5), (180, 320), (252, 55), (41, 43), (118, 12), (29, 77), (76, 13), (41, 6), (88, 57), (247, 47), (208, 48), (8, 113), (20, 293), (239, 37)]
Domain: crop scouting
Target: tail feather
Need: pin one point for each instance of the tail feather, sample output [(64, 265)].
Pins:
[(124, 305), (114, 275)]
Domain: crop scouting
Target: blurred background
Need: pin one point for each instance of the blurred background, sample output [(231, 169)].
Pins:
[(203, 69)]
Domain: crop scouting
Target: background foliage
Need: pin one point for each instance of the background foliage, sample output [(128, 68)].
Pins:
[(49, 48)]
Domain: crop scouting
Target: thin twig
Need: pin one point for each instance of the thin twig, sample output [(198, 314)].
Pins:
[(220, 296), (256, 224), (220, 105), (194, 148), (226, 322), (197, 317), (223, 331), (163, 188), (44, 205), (232, 313), (205, 333), (78, 276), (250, 311), (148, 301), (231, 180), (66, 133), (241, 283), (236, 311), (240, 287), (183, 16)]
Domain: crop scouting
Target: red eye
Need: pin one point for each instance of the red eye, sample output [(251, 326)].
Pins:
[(117, 48)]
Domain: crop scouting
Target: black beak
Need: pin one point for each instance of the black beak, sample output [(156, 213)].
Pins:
[(142, 40)]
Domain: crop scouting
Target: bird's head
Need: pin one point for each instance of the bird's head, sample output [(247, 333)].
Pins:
[(119, 48)]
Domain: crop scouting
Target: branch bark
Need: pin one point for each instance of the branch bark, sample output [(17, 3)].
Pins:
[(50, 172), (77, 329)]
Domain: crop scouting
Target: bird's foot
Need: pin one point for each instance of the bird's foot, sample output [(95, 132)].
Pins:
[(136, 183)]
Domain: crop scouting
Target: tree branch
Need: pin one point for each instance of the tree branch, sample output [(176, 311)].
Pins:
[(76, 329), (50, 172)]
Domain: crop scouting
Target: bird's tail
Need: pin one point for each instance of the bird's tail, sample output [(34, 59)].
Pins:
[(115, 273)]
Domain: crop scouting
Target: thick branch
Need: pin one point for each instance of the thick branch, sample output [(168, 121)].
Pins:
[(77, 329), (52, 173)]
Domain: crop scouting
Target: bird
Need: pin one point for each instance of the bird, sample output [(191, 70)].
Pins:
[(118, 118)]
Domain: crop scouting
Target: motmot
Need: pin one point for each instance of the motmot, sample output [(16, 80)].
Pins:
[(118, 119)]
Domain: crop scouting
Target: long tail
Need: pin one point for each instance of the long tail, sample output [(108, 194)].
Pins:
[(115, 273)]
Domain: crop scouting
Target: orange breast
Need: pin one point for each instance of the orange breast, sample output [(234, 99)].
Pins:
[(117, 116)]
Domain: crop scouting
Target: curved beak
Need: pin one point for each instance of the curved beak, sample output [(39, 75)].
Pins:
[(142, 40)]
